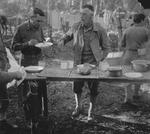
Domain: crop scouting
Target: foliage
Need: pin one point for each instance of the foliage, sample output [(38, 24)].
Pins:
[(112, 4), (13, 7)]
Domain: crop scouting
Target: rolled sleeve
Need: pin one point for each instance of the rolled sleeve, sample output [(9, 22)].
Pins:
[(104, 43), (6, 77)]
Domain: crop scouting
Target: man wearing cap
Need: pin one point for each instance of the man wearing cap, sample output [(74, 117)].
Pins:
[(90, 46)]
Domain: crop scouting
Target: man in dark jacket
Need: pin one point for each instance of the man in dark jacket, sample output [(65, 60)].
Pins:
[(30, 32), (90, 46)]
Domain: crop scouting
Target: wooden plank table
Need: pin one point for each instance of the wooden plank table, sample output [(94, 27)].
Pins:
[(57, 74)]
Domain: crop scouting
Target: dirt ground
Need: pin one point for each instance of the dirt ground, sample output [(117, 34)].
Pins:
[(111, 117)]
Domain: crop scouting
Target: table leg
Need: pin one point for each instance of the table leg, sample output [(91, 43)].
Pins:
[(44, 87)]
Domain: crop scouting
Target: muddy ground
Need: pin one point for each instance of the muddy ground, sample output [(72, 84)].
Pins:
[(111, 117)]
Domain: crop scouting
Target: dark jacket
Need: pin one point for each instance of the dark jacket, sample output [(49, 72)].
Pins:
[(24, 33)]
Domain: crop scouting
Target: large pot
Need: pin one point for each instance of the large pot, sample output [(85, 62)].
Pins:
[(141, 65), (31, 56)]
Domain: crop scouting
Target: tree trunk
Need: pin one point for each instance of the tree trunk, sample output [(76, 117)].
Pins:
[(49, 18), (119, 27), (82, 2), (33, 2), (97, 8)]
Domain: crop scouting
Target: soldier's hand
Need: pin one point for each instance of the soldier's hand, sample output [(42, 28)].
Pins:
[(18, 75), (32, 42)]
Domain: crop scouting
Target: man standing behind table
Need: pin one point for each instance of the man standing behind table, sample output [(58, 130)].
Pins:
[(134, 41), (90, 46), (30, 32)]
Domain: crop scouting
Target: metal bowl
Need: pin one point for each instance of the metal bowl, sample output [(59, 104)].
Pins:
[(141, 65)]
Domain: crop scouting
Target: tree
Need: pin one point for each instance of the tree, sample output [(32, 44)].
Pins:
[(97, 8), (32, 2)]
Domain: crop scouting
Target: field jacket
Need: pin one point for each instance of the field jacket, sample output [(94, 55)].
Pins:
[(98, 42)]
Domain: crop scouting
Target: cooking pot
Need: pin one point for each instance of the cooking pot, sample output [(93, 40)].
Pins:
[(31, 55), (31, 50), (115, 71), (141, 65)]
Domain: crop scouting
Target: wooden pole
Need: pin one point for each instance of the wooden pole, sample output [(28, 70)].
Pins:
[(49, 19), (82, 2), (97, 8), (33, 2)]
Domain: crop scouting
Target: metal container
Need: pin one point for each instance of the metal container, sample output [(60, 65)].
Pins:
[(141, 65), (31, 56), (114, 58), (115, 71)]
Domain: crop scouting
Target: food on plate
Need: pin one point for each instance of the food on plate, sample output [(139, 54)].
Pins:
[(85, 69), (133, 74)]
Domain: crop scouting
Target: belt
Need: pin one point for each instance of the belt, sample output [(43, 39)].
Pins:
[(135, 50), (87, 53)]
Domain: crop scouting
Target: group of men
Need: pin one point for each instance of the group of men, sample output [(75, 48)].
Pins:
[(90, 46)]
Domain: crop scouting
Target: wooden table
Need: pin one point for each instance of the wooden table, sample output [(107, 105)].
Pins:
[(57, 74)]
